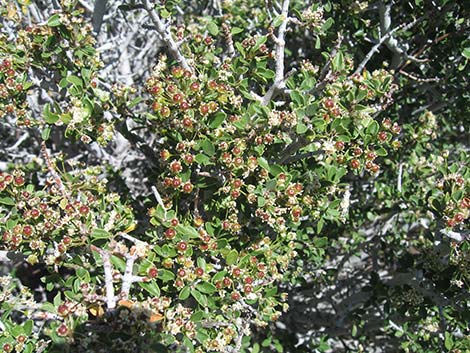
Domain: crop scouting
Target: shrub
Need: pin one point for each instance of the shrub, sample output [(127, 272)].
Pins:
[(176, 211)]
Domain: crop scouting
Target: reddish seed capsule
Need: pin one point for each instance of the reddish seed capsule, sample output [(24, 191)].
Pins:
[(62, 330), (34, 213), (235, 296), (227, 281), (7, 347), (189, 158), (27, 230), (194, 87), (329, 103), (178, 97), (182, 246), (187, 123), (19, 181), (382, 136), (458, 218), (247, 289), (355, 164), (164, 154), (339, 145), (67, 240), (170, 233), (357, 151), (174, 222), (21, 338), (188, 187), (199, 272), (152, 272), (176, 167), (84, 210), (184, 105), (204, 109), (63, 310), (165, 112), (236, 272), (181, 272), (248, 280), (176, 182)]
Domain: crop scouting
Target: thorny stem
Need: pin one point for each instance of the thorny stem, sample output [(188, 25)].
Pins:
[(375, 48), (52, 170), (165, 35), (279, 80), (108, 277)]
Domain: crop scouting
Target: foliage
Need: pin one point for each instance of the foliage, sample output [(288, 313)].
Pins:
[(267, 158)]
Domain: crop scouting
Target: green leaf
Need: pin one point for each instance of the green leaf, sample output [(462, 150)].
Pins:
[(7, 201), (218, 120), (278, 20), (45, 133), (318, 43), (166, 275), (98, 233), (236, 30), (200, 298), (207, 147), (232, 257), (328, 23), (197, 316), (202, 159), (213, 28), (54, 21), (75, 81), (466, 53), (297, 98), (151, 287), (373, 128), (184, 294), (263, 163), (448, 342), (219, 276), (321, 242), (49, 117), (28, 327), (187, 230), (301, 128), (206, 287)]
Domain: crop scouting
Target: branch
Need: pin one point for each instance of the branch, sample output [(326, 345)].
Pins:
[(128, 277), (51, 169), (165, 35), (279, 80), (419, 79), (108, 276), (325, 71), (392, 44), (381, 41)]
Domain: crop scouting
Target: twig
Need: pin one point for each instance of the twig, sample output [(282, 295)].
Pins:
[(279, 80), (165, 35), (325, 71), (419, 79), (400, 172), (228, 40), (399, 54), (381, 41), (128, 277), (51, 169), (18, 142), (108, 276)]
